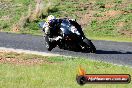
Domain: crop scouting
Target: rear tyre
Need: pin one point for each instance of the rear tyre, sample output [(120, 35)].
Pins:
[(89, 46)]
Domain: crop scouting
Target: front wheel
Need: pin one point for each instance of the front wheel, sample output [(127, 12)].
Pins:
[(89, 46), (49, 45)]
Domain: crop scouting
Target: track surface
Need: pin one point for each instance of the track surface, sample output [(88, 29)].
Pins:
[(107, 51)]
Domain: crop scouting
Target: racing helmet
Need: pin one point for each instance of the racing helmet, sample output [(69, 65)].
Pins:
[(50, 17)]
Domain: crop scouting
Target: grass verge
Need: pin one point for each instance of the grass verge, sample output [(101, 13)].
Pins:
[(56, 72), (107, 19), (98, 36)]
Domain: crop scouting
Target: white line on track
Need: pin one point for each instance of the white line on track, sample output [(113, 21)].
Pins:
[(42, 53), (27, 51)]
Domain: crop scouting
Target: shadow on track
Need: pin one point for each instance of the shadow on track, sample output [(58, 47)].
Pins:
[(111, 52), (97, 51)]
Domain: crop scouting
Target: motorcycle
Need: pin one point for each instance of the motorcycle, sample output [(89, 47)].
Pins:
[(71, 37)]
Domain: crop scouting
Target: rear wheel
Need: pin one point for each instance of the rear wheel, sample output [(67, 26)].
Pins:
[(89, 46)]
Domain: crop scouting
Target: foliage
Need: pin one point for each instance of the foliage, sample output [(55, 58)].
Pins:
[(12, 12)]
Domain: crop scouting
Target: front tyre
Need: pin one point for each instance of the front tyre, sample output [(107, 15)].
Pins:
[(89, 46), (48, 44)]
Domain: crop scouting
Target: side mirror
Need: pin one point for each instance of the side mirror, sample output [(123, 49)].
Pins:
[(41, 24)]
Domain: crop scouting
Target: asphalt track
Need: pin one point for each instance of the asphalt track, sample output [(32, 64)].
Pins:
[(114, 52)]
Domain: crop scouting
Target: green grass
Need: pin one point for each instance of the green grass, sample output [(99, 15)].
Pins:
[(107, 29), (13, 9), (61, 73), (98, 36)]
